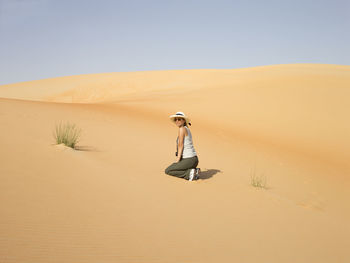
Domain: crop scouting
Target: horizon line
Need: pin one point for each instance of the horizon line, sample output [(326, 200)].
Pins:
[(190, 69)]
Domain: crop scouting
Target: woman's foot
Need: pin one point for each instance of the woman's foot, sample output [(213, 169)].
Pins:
[(192, 174)]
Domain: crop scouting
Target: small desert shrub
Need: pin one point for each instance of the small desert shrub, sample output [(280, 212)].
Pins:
[(257, 181), (67, 134)]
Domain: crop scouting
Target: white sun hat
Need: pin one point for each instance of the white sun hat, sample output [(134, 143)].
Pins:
[(180, 114)]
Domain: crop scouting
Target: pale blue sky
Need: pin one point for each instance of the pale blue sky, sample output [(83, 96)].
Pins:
[(52, 38)]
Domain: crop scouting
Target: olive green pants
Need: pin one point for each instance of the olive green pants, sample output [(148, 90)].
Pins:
[(182, 169)]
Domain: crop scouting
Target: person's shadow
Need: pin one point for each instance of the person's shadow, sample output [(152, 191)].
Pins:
[(208, 173)]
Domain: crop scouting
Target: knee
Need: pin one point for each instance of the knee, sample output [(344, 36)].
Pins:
[(170, 168)]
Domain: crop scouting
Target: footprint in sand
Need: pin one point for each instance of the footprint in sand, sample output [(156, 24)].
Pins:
[(312, 205)]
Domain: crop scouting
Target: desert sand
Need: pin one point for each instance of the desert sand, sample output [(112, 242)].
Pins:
[(110, 200)]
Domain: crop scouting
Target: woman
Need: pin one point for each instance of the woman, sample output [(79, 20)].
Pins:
[(187, 159)]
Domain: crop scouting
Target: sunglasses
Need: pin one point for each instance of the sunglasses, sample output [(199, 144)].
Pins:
[(178, 119)]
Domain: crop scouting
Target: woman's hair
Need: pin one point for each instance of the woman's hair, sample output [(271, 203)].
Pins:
[(185, 124)]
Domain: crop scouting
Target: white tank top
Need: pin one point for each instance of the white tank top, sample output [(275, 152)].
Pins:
[(188, 150)]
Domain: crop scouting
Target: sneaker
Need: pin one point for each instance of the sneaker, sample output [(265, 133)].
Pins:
[(197, 173), (192, 174)]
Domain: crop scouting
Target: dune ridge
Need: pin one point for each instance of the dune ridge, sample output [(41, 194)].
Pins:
[(296, 106), (106, 87)]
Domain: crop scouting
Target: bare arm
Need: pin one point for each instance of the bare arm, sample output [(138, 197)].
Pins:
[(181, 143)]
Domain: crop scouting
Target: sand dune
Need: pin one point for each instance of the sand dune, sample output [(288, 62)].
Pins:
[(110, 201)]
